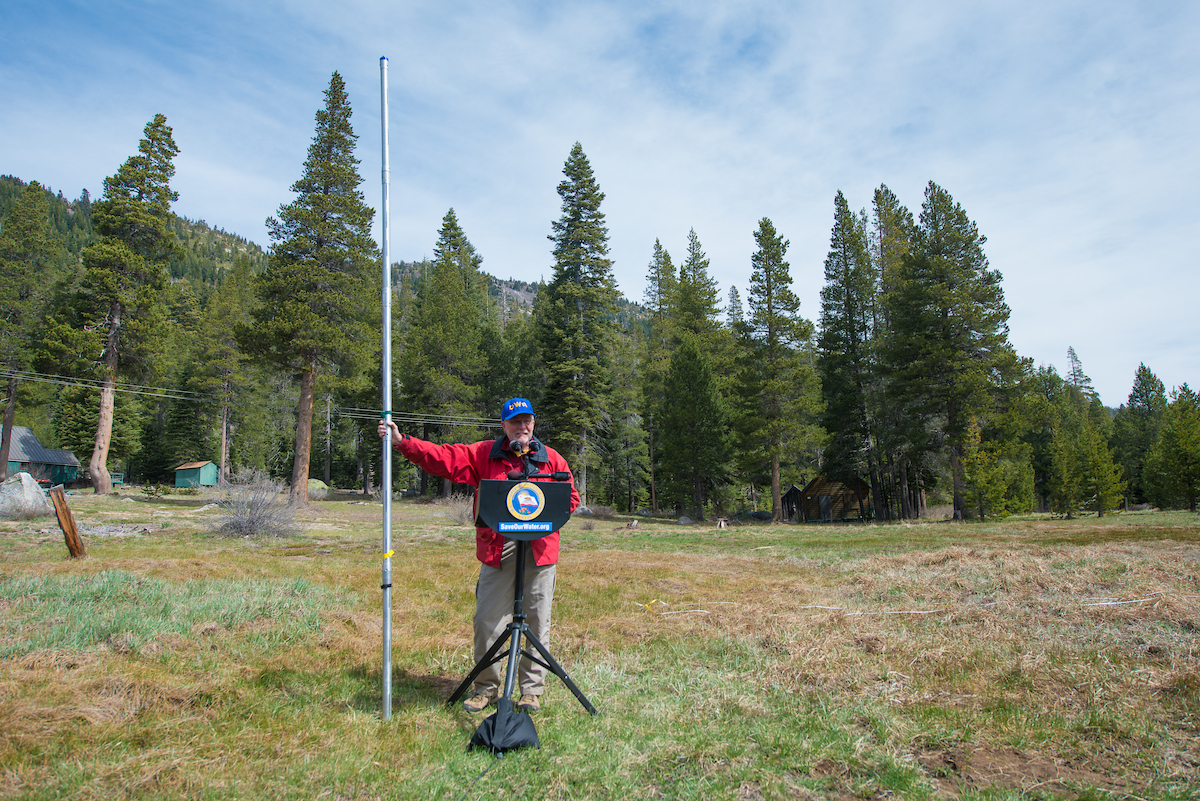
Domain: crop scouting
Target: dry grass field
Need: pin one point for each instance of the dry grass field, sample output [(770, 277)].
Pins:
[(1029, 658)]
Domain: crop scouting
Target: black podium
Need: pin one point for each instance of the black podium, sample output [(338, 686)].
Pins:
[(523, 511)]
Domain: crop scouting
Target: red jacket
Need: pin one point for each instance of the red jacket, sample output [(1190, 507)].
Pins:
[(489, 459)]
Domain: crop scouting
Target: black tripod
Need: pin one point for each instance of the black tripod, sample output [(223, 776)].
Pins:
[(517, 629)]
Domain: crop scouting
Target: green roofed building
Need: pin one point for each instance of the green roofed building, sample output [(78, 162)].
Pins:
[(197, 474), (47, 465)]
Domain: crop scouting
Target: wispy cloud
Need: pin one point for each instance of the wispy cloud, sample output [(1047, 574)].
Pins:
[(1066, 130)]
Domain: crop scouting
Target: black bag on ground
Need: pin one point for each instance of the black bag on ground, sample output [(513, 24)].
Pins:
[(506, 730)]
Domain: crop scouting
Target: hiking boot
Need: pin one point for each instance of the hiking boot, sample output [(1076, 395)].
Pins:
[(478, 702), (529, 703)]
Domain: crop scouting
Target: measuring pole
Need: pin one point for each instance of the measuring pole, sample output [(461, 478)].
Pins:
[(386, 584)]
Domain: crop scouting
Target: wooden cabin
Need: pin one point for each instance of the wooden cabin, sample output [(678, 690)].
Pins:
[(826, 500)]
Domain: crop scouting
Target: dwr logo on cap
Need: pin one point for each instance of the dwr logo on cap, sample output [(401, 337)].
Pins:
[(516, 406)]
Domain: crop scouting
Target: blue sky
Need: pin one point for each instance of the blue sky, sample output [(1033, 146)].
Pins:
[(1067, 131)]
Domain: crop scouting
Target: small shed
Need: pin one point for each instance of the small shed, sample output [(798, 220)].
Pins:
[(47, 465), (197, 474), (793, 504), (825, 500)]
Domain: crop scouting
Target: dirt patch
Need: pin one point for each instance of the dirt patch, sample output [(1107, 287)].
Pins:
[(963, 768)]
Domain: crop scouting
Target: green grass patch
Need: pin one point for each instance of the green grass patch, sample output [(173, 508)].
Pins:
[(128, 610)]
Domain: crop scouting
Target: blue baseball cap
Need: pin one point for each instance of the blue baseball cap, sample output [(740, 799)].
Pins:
[(515, 406)]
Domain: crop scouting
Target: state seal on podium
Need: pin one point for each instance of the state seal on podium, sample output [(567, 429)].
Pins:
[(526, 501)]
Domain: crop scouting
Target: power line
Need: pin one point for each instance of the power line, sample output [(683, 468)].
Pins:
[(418, 417), (146, 390), (91, 383)]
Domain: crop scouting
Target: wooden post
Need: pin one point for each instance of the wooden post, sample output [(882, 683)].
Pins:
[(66, 521)]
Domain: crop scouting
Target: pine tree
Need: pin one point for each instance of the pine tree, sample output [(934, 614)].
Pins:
[(1077, 378), (695, 435), (442, 358), (1135, 429), (662, 285), (622, 438), (1084, 476), (116, 316), (735, 315), (983, 475), (900, 489), (778, 387), (29, 252), (221, 369), (1102, 474), (1040, 401), (696, 308), (1172, 470), (892, 230), (947, 341), (317, 309), (847, 365), (574, 319)]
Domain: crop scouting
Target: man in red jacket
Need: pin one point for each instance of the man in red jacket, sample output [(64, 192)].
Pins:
[(517, 450)]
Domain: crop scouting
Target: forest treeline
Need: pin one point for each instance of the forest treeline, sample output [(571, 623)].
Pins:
[(139, 339)]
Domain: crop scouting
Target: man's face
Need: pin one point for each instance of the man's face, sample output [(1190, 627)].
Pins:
[(519, 428)]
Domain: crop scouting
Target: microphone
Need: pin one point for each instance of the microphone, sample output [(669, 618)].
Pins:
[(561, 475)]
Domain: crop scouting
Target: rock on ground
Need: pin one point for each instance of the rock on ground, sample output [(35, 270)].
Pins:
[(21, 493)]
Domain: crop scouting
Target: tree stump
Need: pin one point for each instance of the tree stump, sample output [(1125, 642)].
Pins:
[(66, 521)]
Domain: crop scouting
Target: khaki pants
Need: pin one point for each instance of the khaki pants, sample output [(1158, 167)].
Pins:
[(494, 595)]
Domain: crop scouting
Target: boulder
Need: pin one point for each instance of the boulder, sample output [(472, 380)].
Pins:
[(21, 493)]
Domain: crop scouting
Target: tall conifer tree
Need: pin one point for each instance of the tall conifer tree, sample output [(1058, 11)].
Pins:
[(694, 430), (662, 284), (116, 315), (891, 228), (28, 254), (1135, 429), (575, 318), (1172, 471), (779, 387), (696, 305), (317, 297), (1077, 378), (697, 310), (221, 370), (1084, 476), (847, 364), (622, 437), (442, 360), (948, 332)]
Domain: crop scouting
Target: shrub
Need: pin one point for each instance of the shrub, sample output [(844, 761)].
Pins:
[(460, 509), (254, 505), (603, 512)]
